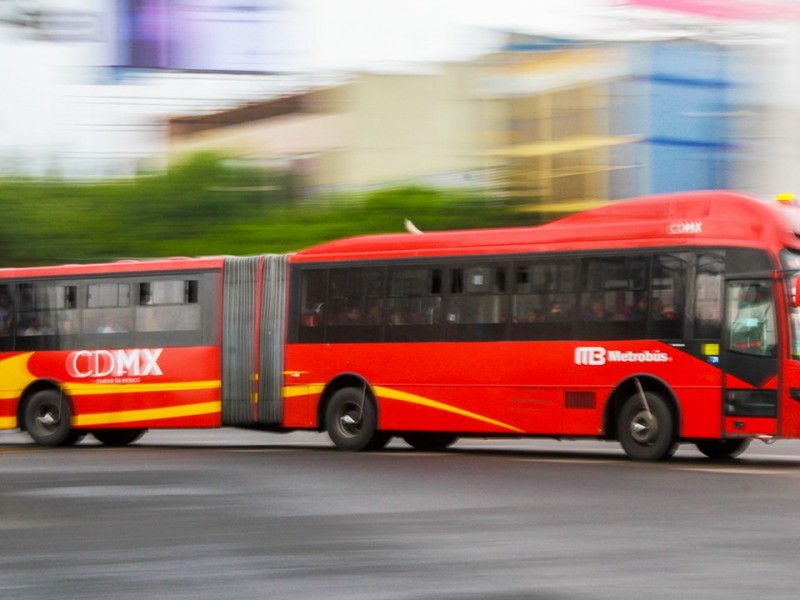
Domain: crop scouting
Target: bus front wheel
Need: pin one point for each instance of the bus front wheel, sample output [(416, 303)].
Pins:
[(720, 449), (646, 428), (352, 421), (47, 419)]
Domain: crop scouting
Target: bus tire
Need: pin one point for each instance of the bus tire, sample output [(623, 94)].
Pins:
[(647, 433), (430, 441), (352, 421), (117, 437), (48, 419), (722, 449)]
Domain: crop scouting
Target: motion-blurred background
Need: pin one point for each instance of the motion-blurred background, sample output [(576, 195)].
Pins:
[(134, 128)]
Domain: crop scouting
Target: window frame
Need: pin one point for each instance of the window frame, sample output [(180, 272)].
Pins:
[(444, 286), (73, 294)]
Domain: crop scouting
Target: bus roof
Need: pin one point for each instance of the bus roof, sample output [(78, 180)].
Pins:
[(117, 267), (689, 218)]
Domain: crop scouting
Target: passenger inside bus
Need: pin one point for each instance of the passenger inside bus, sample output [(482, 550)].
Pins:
[(313, 316), (596, 311), (32, 327), (111, 324), (397, 318), (638, 311), (531, 316), (374, 316), (660, 312), (351, 316)]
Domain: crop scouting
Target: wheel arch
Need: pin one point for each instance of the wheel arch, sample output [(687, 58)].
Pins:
[(341, 381), (627, 388), (32, 389)]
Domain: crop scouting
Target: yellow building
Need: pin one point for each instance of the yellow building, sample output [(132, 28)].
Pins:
[(557, 128)]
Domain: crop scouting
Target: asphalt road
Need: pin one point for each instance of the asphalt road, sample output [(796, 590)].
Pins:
[(227, 514)]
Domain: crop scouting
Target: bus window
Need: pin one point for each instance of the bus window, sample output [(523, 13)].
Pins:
[(313, 292), (543, 299), (747, 261), (6, 318), (611, 288), (667, 303), (708, 295), (107, 317), (477, 306), (47, 313), (752, 319), (414, 306), (355, 298), (67, 315), (168, 312)]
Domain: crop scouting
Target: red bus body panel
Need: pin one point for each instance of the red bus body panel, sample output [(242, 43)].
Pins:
[(790, 407), (509, 388), (131, 388)]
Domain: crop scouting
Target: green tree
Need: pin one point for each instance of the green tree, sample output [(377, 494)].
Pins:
[(210, 206)]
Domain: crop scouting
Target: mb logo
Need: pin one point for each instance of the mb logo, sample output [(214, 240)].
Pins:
[(590, 355)]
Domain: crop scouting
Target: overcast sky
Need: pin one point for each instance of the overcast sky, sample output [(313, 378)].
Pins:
[(366, 32)]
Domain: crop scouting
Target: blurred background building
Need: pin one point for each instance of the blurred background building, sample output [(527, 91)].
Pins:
[(372, 130), (641, 96), (562, 125)]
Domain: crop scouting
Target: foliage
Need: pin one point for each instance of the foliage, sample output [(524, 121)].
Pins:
[(209, 207)]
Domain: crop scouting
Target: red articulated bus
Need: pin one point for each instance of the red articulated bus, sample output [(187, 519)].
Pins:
[(654, 321)]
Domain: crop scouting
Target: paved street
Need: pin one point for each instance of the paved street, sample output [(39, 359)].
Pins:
[(228, 514)]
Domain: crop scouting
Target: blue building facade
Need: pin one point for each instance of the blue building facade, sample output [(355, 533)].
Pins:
[(666, 113), (688, 101)]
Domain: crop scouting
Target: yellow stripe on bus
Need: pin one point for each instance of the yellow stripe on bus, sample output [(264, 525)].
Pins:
[(316, 388), (292, 391), (94, 389), (427, 402), (8, 422), (150, 414)]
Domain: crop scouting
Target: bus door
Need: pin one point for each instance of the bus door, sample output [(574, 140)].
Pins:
[(749, 359)]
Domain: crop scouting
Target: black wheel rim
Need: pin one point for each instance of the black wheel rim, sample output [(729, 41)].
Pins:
[(644, 428), (349, 420), (47, 418)]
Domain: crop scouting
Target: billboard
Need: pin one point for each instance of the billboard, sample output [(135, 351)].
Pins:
[(206, 35), (746, 10)]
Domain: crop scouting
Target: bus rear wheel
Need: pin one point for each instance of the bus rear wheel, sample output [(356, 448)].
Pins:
[(351, 420), (117, 437), (430, 441), (48, 419), (646, 428), (720, 449)]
